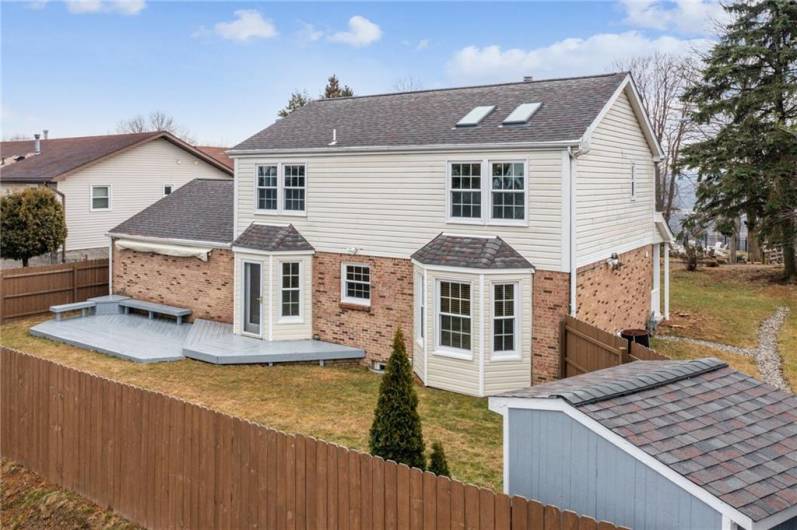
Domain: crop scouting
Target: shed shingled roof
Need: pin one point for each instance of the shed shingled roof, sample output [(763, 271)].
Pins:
[(201, 210), (429, 117), (728, 433), (272, 238), (471, 252)]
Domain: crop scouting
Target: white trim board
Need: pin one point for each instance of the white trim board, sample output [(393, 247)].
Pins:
[(501, 405), (465, 270)]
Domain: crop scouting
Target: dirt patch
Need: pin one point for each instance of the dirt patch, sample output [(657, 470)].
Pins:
[(30, 502)]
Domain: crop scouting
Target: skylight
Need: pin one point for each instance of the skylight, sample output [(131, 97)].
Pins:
[(522, 113), (475, 116)]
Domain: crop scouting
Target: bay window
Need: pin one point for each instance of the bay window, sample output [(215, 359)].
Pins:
[(291, 290), (505, 319), (454, 315)]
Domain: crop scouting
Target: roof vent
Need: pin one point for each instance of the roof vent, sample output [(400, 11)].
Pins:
[(334, 137), (522, 113), (528, 78), (475, 117), (37, 145)]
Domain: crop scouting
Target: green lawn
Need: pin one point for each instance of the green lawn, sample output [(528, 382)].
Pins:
[(334, 403), (727, 304)]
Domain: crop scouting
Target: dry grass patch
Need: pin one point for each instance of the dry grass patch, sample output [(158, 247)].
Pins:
[(334, 403)]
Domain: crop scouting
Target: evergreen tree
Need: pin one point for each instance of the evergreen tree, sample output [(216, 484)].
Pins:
[(437, 461), (334, 90), (32, 223), (396, 431), (747, 96), (297, 101)]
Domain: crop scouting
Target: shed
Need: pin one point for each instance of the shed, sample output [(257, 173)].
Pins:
[(656, 444)]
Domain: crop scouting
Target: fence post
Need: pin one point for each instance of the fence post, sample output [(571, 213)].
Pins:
[(74, 281)]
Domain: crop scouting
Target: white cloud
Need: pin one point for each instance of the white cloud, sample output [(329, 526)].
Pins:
[(309, 33), (122, 7), (422, 44), (362, 32), (688, 16), (248, 24), (574, 56)]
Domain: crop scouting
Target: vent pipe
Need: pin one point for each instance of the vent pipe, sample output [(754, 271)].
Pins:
[(45, 133), (528, 78), (37, 144), (334, 137)]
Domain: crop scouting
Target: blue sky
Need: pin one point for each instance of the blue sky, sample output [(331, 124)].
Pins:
[(224, 69)]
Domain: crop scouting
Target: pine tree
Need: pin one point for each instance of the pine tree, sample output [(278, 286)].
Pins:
[(747, 97), (437, 461), (396, 431), (297, 101), (334, 90), (32, 223)]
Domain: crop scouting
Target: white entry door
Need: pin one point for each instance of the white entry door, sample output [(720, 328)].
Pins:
[(253, 298)]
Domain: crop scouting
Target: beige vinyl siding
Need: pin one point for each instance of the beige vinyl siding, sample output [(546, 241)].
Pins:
[(449, 373), (501, 375), (136, 178), (607, 218), (392, 204), (287, 329)]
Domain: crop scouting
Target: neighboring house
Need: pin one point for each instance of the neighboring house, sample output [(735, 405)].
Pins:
[(656, 445), (474, 219), (103, 180)]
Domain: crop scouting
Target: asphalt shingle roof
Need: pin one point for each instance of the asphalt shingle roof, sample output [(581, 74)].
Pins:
[(63, 155), (471, 252), (725, 431), (272, 238), (429, 117), (200, 210)]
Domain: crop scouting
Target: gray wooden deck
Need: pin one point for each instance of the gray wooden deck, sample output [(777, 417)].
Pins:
[(132, 337), (215, 342), (137, 338)]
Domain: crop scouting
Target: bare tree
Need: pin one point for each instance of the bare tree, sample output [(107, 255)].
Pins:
[(156, 121), (407, 84), (661, 80)]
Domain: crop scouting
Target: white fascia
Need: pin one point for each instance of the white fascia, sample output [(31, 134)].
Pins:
[(466, 270)]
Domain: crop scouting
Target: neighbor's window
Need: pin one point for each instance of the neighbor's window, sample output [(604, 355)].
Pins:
[(291, 290), (167, 189), (504, 296), (356, 282), (455, 315), (294, 187), (266, 187), (466, 195), (100, 197), (508, 190)]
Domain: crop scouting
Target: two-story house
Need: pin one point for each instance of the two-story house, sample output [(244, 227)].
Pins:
[(473, 218)]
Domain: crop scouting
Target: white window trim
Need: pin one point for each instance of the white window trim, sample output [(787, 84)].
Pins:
[(91, 198), (508, 355), (356, 301), (242, 294), (280, 210), (298, 319), (486, 193), (447, 351), (420, 308), (169, 186)]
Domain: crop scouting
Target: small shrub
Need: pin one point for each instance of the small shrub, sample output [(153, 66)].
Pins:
[(396, 431), (437, 461)]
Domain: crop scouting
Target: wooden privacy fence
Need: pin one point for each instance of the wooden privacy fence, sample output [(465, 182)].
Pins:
[(32, 290), (586, 348), (165, 463)]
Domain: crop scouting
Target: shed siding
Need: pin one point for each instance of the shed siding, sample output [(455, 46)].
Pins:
[(136, 178), (558, 461), (608, 219), (391, 205)]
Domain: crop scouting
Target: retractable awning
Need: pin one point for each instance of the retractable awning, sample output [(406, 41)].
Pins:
[(181, 251)]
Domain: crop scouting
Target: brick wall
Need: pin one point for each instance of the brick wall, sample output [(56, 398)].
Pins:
[(370, 329), (206, 287), (550, 304), (616, 299)]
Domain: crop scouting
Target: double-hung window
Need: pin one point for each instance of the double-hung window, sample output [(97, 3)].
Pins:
[(454, 315), (291, 290), (508, 191), (356, 284), (293, 175), (466, 195), (100, 197), (505, 319), (266, 187)]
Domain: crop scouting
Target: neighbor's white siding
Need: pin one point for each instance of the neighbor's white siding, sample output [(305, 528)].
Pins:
[(608, 219), (13, 187), (136, 178), (393, 204)]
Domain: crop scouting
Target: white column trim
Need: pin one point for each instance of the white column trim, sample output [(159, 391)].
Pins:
[(666, 282)]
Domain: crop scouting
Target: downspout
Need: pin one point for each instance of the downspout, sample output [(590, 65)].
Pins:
[(572, 156)]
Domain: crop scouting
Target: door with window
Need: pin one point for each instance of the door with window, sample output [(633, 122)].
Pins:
[(253, 298)]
